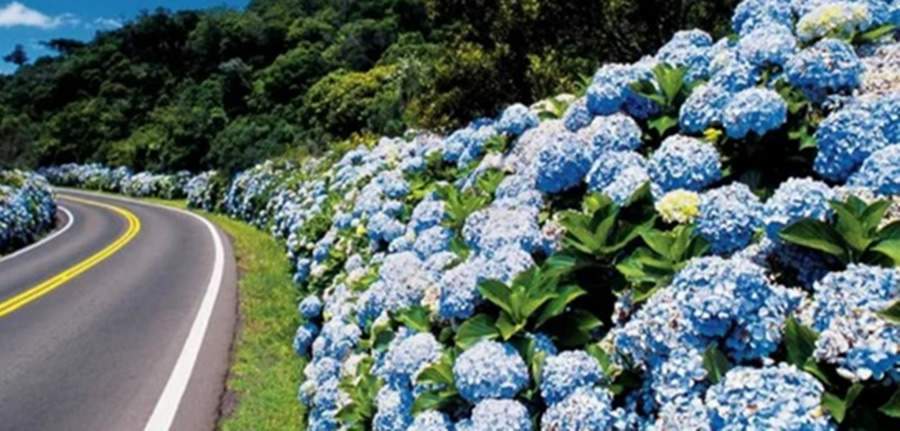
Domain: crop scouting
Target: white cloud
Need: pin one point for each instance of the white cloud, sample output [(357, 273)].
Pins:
[(107, 23), (16, 14)]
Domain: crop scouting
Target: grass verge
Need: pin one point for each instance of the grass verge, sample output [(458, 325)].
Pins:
[(265, 371)]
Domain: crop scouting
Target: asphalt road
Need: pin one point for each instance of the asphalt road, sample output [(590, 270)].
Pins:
[(112, 347)]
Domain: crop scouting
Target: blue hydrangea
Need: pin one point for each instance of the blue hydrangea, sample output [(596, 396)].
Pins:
[(542, 343), (765, 46), (508, 262), (584, 410), (616, 132), (394, 409), (795, 199), (756, 110), (413, 165), (610, 90), (310, 307), (566, 372), (492, 415), (336, 340), (493, 228), (577, 115), (432, 241), (618, 174), (426, 214), (303, 339), (517, 191), (862, 345), (827, 67), (886, 110), (302, 270), (782, 397), (561, 162), (490, 370), (736, 75), (458, 289), (685, 414), (686, 163), (728, 218), (845, 139), (431, 420), (703, 108), (516, 119), (681, 376), (752, 14), (382, 227), (689, 49), (410, 356), (880, 172)]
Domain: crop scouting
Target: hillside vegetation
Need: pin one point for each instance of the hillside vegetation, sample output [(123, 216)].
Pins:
[(225, 89)]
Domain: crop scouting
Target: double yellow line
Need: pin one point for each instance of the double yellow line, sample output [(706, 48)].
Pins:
[(22, 299)]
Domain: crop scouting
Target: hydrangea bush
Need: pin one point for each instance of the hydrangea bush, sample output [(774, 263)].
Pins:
[(27, 209), (705, 239)]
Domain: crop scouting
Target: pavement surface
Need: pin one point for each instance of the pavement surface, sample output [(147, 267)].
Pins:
[(101, 350)]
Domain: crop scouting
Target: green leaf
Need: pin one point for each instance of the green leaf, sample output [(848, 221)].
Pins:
[(715, 363), (508, 327), (891, 231), (663, 124), (892, 406), (601, 356), (889, 248), (800, 342), (477, 328), (892, 313), (850, 227), (813, 234), (558, 305), (874, 34), (440, 372), (658, 241), (433, 400), (838, 406), (497, 293), (416, 318)]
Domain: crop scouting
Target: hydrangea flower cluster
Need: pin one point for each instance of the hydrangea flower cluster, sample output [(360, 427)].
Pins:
[(686, 163), (755, 110), (27, 209), (490, 370), (728, 218)]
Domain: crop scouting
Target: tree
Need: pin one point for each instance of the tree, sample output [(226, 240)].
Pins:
[(18, 56)]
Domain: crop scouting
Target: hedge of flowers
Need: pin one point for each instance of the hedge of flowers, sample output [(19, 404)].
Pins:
[(705, 239), (119, 180), (27, 209)]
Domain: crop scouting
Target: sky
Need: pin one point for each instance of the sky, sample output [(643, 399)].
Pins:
[(29, 22)]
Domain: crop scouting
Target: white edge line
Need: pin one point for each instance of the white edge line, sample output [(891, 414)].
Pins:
[(167, 406), (70, 220)]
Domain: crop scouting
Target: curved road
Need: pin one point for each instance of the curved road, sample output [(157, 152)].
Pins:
[(115, 347)]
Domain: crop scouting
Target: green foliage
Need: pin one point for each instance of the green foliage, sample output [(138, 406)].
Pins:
[(855, 236), (195, 90), (668, 89), (664, 254), (534, 297), (715, 363), (439, 374), (362, 389)]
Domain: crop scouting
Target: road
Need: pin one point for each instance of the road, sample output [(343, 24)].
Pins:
[(101, 325)]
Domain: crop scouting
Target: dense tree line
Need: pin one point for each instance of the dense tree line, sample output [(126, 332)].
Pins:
[(225, 88)]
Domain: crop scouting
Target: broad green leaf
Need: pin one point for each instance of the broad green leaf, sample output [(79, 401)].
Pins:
[(892, 406), (433, 400), (891, 231), (440, 372), (892, 313), (477, 328), (715, 363), (537, 300), (889, 248), (497, 293), (601, 356), (416, 318), (800, 342), (813, 368), (849, 227), (834, 405), (663, 124), (874, 34), (658, 241), (508, 327), (557, 306), (813, 234)]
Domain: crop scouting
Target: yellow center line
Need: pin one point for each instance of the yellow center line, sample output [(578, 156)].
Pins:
[(24, 298)]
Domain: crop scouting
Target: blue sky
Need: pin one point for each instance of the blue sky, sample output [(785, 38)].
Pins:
[(28, 22)]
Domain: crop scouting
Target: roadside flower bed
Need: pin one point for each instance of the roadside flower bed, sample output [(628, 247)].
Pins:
[(27, 209), (705, 239)]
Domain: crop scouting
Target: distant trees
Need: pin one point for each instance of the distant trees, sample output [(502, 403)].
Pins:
[(17, 56), (224, 88)]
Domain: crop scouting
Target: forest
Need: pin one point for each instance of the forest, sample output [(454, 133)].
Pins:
[(225, 88)]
